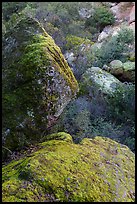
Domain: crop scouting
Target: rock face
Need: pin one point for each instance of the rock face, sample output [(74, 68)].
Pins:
[(85, 13), (97, 170), (122, 11), (37, 81), (97, 79)]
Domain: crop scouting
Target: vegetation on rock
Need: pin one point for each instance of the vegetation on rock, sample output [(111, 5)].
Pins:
[(100, 18), (37, 83), (68, 102), (95, 170)]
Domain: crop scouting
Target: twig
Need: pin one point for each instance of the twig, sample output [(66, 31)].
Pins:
[(7, 149)]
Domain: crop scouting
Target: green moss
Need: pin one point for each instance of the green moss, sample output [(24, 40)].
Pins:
[(58, 136), (132, 59), (95, 170), (129, 66), (75, 41), (27, 83), (42, 50)]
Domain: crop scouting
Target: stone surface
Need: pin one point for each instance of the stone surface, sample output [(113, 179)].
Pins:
[(85, 13), (103, 35), (116, 67), (129, 71), (124, 71), (37, 81), (122, 11), (132, 15), (97, 79), (69, 56), (97, 170)]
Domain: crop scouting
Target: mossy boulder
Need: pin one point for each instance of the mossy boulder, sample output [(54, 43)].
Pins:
[(123, 71), (129, 71), (95, 79), (116, 67), (37, 82), (96, 170)]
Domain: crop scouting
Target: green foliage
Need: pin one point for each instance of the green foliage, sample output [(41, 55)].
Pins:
[(126, 36), (130, 141), (115, 47), (12, 8), (122, 103), (9, 8), (101, 17), (75, 41)]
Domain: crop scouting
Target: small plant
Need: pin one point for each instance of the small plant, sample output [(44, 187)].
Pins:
[(75, 41), (122, 103), (101, 17)]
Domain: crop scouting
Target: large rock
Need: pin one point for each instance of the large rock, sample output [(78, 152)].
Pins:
[(96, 170), (129, 71), (37, 81), (103, 35), (132, 15), (123, 71), (116, 67), (97, 79), (89, 114), (122, 11)]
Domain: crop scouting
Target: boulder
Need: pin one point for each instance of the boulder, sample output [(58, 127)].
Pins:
[(103, 35), (123, 71), (85, 13), (116, 67), (37, 81), (122, 11), (96, 170), (69, 56), (132, 15), (97, 79), (129, 71), (115, 9)]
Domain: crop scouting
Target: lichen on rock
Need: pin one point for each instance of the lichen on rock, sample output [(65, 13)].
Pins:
[(97, 170), (97, 79), (37, 81)]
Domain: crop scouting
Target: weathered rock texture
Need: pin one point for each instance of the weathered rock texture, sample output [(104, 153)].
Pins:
[(124, 71), (95, 79), (96, 170), (37, 81)]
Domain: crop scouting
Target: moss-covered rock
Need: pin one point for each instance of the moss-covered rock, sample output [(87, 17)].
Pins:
[(95, 79), (116, 67), (129, 71), (123, 71), (37, 82), (96, 170)]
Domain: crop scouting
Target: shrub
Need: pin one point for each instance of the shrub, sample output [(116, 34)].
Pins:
[(115, 48), (122, 103), (125, 35), (101, 17), (75, 41)]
